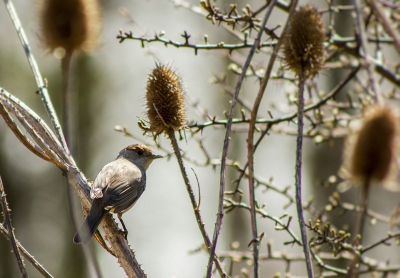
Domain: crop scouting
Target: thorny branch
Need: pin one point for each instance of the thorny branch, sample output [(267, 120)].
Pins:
[(11, 235), (27, 256)]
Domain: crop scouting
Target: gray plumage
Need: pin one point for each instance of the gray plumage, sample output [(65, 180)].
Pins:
[(117, 187)]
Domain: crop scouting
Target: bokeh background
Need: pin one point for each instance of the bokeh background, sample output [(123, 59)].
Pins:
[(111, 84)]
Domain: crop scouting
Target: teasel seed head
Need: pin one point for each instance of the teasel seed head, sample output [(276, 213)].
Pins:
[(165, 101), (374, 147), (303, 47), (70, 25)]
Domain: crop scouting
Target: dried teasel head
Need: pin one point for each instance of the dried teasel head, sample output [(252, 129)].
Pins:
[(303, 48), (374, 147), (69, 25), (165, 101)]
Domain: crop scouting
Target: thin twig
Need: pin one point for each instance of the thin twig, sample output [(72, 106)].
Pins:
[(196, 209), (225, 149), (362, 34), (375, 8), (242, 173), (10, 229), (379, 242), (186, 44), (327, 267), (250, 141), (279, 225)]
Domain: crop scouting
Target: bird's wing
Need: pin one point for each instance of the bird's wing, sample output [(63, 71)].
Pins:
[(121, 185), (123, 196)]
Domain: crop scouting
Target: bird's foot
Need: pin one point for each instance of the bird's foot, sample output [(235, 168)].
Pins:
[(124, 233)]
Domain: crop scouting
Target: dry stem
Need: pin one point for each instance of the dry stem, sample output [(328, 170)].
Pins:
[(196, 209), (250, 142), (299, 158)]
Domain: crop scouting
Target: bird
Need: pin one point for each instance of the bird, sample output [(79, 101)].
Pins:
[(116, 188)]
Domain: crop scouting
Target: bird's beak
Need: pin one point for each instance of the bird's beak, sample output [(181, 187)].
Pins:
[(155, 156)]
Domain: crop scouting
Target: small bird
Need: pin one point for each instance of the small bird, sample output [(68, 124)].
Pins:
[(117, 187)]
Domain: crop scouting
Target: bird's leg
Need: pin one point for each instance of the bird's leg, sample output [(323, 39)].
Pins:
[(123, 225)]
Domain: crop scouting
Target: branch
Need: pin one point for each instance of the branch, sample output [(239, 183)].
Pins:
[(11, 235), (27, 256), (279, 225), (362, 38), (375, 8), (379, 242), (220, 213), (286, 118), (327, 267), (186, 44)]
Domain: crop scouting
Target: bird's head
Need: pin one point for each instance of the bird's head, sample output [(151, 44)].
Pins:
[(139, 154)]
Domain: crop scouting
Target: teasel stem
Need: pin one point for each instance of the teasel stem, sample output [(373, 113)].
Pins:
[(69, 127), (67, 91), (364, 203), (195, 205), (355, 264), (298, 171), (372, 158)]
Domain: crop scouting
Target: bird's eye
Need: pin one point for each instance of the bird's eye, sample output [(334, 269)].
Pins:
[(140, 153)]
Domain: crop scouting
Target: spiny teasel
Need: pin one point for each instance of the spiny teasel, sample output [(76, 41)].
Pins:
[(304, 54), (371, 160), (166, 113), (70, 24), (303, 47), (375, 145), (165, 101)]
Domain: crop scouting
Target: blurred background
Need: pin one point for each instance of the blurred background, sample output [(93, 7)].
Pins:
[(111, 82)]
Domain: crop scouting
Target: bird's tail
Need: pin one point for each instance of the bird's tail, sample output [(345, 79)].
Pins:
[(89, 226)]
